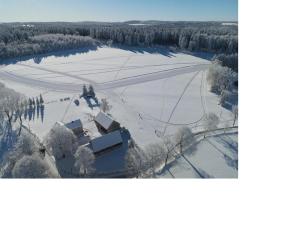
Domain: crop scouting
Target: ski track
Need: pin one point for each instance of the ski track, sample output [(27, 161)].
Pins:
[(123, 82), (179, 99)]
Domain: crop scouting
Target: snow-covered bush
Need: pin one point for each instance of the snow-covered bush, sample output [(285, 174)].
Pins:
[(32, 166)]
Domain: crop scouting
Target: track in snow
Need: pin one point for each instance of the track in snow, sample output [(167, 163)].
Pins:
[(123, 82)]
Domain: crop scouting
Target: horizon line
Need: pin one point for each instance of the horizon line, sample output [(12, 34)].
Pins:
[(124, 21)]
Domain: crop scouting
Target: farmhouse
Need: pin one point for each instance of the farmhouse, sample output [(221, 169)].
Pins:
[(106, 124), (106, 142), (75, 126)]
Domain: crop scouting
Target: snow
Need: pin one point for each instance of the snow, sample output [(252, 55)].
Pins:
[(211, 157), (152, 92), (229, 24)]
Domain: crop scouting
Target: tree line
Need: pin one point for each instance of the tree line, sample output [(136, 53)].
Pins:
[(18, 39)]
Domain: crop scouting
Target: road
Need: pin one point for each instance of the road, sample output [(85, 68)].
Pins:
[(122, 82)]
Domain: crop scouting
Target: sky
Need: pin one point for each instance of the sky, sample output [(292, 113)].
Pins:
[(117, 10)]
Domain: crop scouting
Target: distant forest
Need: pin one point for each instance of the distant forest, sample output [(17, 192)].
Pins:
[(23, 39)]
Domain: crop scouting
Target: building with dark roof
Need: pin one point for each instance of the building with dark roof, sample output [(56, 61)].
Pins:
[(105, 142), (75, 126)]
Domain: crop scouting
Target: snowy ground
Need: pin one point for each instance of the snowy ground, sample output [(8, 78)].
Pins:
[(213, 157), (152, 92)]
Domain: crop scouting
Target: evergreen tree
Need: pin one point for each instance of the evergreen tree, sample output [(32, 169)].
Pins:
[(91, 91), (41, 99), (84, 91)]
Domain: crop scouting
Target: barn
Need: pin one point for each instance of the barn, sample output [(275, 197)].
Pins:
[(106, 142), (105, 124), (75, 126)]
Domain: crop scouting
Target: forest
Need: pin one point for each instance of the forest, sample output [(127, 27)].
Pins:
[(18, 39)]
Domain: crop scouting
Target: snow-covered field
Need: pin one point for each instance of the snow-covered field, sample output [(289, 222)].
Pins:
[(213, 157), (152, 93)]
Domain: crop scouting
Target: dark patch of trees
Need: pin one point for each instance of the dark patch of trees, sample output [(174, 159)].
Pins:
[(18, 39)]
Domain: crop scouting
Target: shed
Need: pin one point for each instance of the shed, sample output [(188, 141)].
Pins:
[(106, 142), (106, 124), (75, 126)]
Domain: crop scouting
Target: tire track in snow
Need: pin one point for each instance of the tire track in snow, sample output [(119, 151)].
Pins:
[(181, 96), (57, 72), (122, 82)]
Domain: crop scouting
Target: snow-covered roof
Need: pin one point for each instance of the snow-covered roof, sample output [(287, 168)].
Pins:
[(106, 141), (104, 120), (74, 124)]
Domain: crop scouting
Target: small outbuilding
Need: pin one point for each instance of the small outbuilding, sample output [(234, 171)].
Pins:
[(106, 124), (75, 126), (105, 142)]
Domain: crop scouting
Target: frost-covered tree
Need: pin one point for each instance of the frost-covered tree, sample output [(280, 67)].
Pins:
[(41, 99), (211, 122), (45, 37), (220, 78), (61, 142), (105, 107), (33, 102), (184, 138), (235, 111), (133, 161), (37, 101), (31, 166), (84, 91), (84, 161), (27, 144), (156, 154), (30, 103), (10, 102), (91, 91), (170, 147)]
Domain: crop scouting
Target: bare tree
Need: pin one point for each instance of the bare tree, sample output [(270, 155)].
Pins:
[(61, 142), (84, 161), (169, 146), (183, 138)]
